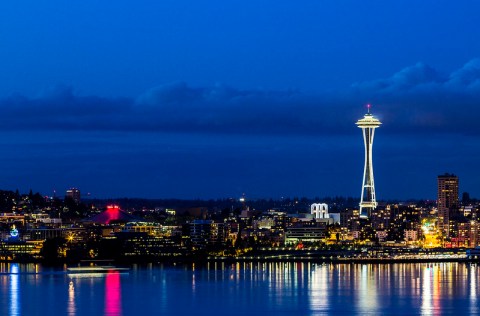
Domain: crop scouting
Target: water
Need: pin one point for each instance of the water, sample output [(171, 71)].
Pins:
[(244, 289)]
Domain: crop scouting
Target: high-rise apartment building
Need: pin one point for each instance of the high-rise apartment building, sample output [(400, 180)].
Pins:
[(447, 200)]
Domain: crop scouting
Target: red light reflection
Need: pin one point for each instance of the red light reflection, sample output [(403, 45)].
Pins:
[(113, 294)]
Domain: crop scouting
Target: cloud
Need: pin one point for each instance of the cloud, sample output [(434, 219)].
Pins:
[(174, 108), (176, 94), (466, 79), (417, 99), (412, 78), (420, 80)]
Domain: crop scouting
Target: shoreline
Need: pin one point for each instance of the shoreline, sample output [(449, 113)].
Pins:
[(188, 260), (347, 261)]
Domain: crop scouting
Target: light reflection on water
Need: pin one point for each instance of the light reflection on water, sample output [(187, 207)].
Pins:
[(71, 310), (113, 294), (474, 308), (427, 305), (14, 290), (244, 288)]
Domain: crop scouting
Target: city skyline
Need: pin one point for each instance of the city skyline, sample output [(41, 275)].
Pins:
[(188, 100), (195, 157)]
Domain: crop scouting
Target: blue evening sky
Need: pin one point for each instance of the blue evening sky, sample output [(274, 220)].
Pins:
[(207, 99)]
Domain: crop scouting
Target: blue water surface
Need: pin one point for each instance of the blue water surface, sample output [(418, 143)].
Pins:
[(243, 289)]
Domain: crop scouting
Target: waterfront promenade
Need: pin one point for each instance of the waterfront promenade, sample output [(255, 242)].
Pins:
[(366, 255)]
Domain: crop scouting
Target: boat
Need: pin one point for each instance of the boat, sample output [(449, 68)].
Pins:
[(96, 269)]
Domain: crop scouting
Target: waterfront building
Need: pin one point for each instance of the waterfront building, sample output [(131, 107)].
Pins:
[(143, 245), (14, 250), (447, 202), (368, 201)]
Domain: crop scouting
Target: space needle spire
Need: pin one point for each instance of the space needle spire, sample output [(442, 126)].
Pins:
[(368, 201)]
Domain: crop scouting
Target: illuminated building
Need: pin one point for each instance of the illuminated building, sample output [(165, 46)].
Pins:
[(71, 234), (345, 217), (170, 212), (447, 200), (12, 218), (148, 228), (10, 250), (381, 235), (264, 223), (350, 219), (44, 233), (133, 244), (113, 214), (74, 194), (320, 210), (42, 219), (303, 231), (380, 218), (368, 201), (473, 233), (410, 235), (206, 232)]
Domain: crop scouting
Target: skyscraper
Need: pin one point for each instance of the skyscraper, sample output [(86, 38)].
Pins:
[(74, 194), (368, 201), (447, 200)]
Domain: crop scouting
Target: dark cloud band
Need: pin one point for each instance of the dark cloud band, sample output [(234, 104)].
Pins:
[(416, 99)]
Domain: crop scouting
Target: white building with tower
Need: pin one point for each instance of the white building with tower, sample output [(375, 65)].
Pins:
[(319, 210)]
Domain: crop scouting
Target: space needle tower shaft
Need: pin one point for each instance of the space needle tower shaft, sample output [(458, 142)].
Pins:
[(368, 201)]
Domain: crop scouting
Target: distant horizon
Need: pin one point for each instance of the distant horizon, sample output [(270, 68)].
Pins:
[(235, 198)]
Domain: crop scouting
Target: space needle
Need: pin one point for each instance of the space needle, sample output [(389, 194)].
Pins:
[(368, 202)]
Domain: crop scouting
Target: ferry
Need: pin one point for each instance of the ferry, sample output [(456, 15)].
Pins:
[(96, 269)]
